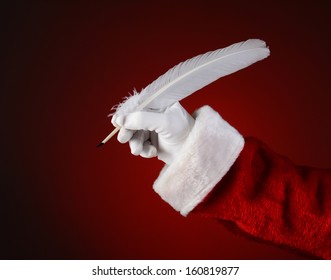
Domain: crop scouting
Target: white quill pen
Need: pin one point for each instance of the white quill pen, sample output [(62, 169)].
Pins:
[(191, 75)]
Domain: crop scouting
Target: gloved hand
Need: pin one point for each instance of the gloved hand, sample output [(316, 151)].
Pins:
[(153, 134)]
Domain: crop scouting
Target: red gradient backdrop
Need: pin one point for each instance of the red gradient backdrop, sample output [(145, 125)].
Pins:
[(67, 65)]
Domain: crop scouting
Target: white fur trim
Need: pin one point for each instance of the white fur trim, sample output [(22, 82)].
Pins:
[(206, 156)]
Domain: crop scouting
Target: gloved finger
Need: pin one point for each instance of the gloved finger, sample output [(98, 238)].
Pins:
[(149, 150), (113, 120), (143, 120), (125, 135), (137, 142)]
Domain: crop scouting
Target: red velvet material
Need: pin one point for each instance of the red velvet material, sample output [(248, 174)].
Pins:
[(268, 197)]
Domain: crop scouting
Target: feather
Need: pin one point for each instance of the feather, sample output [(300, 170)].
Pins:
[(191, 75)]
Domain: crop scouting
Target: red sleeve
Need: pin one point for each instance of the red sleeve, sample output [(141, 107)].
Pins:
[(268, 197)]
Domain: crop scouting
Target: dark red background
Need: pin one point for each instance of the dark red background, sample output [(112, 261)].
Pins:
[(67, 65)]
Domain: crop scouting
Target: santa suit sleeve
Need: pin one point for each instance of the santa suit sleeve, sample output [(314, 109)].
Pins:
[(221, 175)]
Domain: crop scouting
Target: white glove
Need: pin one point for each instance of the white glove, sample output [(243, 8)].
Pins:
[(153, 134)]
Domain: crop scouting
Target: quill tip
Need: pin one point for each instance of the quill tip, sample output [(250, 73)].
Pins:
[(100, 144)]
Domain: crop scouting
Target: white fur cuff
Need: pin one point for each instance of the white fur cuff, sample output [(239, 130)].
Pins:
[(206, 156)]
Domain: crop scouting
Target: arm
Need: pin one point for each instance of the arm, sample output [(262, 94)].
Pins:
[(257, 191), (216, 174)]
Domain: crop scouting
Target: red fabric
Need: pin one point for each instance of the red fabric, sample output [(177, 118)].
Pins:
[(268, 197)]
